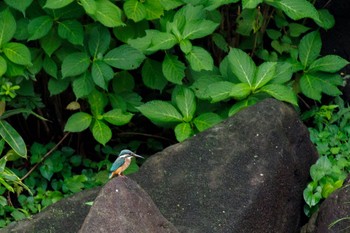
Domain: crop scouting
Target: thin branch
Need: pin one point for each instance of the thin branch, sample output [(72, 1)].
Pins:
[(146, 135), (45, 156)]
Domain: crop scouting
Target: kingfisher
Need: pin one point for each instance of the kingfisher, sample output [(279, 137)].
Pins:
[(122, 163)]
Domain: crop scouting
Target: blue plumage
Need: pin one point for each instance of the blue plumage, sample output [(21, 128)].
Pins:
[(122, 162)]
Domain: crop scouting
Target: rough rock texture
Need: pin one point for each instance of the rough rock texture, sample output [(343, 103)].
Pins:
[(123, 206), (65, 216), (334, 213), (246, 174)]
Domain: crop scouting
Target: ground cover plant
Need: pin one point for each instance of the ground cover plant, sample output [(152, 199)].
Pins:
[(81, 74)]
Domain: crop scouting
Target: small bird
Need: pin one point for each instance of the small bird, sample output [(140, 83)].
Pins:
[(122, 163)]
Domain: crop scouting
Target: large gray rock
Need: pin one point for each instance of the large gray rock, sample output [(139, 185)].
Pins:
[(65, 216), (123, 206), (246, 174), (334, 213)]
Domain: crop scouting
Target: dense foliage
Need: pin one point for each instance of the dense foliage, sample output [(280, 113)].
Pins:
[(103, 69)]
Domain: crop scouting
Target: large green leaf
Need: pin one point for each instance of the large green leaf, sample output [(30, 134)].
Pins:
[(251, 3), (242, 66), (134, 10), (117, 117), (71, 30), (154, 9), (280, 92), (329, 83), (108, 13), (160, 112), (7, 26), (75, 64), (83, 85), (89, 6), (19, 5), (13, 138), (171, 4), (183, 131), (173, 69), (200, 59), (310, 48), (310, 86), (242, 105), (240, 91), (124, 57), (55, 4), (99, 40), (101, 132), (219, 91), (17, 53), (51, 42), (98, 101), (185, 101), (78, 122), (162, 41), (152, 75), (213, 4), (283, 73), (50, 67), (264, 74), (206, 120), (57, 86), (3, 66), (326, 19), (329, 63), (39, 27), (101, 74), (198, 29), (295, 9)]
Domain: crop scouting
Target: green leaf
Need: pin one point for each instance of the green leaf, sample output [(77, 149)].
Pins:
[(173, 69), (206, 120), (89, 6), (310, 48), (310, 197), (280, 92), (47, 169), (283, 73), (71, 30), (124, 57), (57, 86), (183, 131), (75, 64), (329, 63), (98, 102), (186, 46), (101, 132), (242, 66), (160, 112), (7, 26), (264, 74), (296, 9), (83, 85), (162, 41), (220, 42), (219, 91), (78, 122), (171, 4), (39, 27), (55, 4), (154, 9), (3, 66), (296, 29), (124, 81), (134, 10), (13, 138), (185, 101), (152, 75), (50, 67), (329, 83), (310, 87), (108, 13), (19, 5), (200, 59), (326, 19), (17, 53), (99, 40), (117, 117), (242, 105), (240, 91), (51, 42), (251, 3), (198, 29), (101, 74)]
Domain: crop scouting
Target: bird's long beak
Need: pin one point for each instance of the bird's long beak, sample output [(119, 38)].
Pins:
[(137, 155)]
